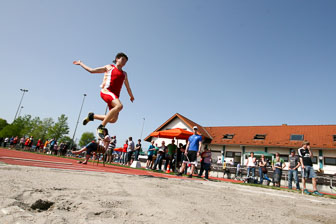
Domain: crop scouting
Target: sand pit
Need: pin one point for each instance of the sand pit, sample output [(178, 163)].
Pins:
[(65, 196)]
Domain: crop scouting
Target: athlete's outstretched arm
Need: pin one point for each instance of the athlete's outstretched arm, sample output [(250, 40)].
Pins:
[(128, 87), (91, 70)]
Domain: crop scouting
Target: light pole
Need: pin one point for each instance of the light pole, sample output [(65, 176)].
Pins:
[(23, 92), (143, 124), (20, 111), (80, 111)]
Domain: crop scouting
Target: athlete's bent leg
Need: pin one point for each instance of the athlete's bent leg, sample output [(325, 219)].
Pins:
[(112, 115)]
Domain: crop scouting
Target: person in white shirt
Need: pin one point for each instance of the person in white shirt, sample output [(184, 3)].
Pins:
[(251, 164)]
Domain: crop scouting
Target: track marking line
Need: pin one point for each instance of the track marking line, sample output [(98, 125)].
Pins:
[(41, 161)]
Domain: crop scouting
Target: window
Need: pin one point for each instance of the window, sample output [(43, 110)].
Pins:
[(329, 161), (233, 154), (228, 136), (314, 160), (334, 137), (284, 157), (259, 137), (229, 154), (296, 137)]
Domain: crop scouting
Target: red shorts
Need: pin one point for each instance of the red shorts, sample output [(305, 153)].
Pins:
[(108, 97)]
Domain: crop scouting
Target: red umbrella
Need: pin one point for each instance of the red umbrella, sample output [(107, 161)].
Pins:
[(118, 149), (177, 133)]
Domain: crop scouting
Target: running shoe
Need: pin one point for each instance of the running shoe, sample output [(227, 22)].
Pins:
[(190, 176), (306, 192), (88, 118), (100, 132), (317, 193), (179, 174)]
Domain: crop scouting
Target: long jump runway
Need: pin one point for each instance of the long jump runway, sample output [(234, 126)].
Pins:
[(22, 158)]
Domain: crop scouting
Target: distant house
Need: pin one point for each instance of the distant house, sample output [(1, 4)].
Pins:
[(233, 143)]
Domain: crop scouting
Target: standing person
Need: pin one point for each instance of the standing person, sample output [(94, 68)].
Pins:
[(170, 154), (45, 146), (305, 154), (6, 141), (124, 153), (109, 151), (278, 164), (137, 150), (114, 78), (251, 164), (52, 144), (15, 141), (193, 148), (11, 142), (1, 140), (263, 170), (206, 160), (160, 156), (38, 145), (22, 141), (179, 156), (130, 150), (150, 153), (294, 164)]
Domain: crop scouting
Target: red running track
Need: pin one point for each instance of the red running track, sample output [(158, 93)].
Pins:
[(23, 158)]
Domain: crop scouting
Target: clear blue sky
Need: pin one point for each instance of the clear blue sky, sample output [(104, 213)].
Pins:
[(218, 63)]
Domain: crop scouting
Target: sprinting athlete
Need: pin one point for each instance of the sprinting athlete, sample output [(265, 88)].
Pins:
[(114, 78)]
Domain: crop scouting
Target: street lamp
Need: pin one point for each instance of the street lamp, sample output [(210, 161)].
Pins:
[(143, 124), (23, 92), (20, 111), (80, 111)]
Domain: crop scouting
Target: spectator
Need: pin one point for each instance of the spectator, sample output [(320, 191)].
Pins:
[(170, 154), (31, 140), (251, 164), (263, 170), (192, 152), (15, 141), (38, 145), (278, 164), (161, 156), (11, 142), (6, 141), (238, 171), (294, 164), (22, 141), (179, 155), (45, 146), (206, 160), (305, 154), (137, 150), (109, 151), (52, 144), (124, 153), (130, 151), (150, 153)]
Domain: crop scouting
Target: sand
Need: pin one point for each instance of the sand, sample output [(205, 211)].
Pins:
[(92, 197)]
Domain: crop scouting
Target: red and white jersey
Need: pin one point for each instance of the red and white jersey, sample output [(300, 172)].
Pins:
[(113, 79)]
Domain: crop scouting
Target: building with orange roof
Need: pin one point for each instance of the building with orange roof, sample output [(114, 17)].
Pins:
[(233, 143)]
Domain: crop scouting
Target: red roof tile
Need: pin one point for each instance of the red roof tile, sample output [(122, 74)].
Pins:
[(320, 136)]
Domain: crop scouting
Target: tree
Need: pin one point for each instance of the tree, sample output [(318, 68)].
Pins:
[(60, 128), (86, 138), (3, 123), (19, 127)]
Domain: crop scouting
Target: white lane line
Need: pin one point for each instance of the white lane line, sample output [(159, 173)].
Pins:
[(41, 161), (286, 196)]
